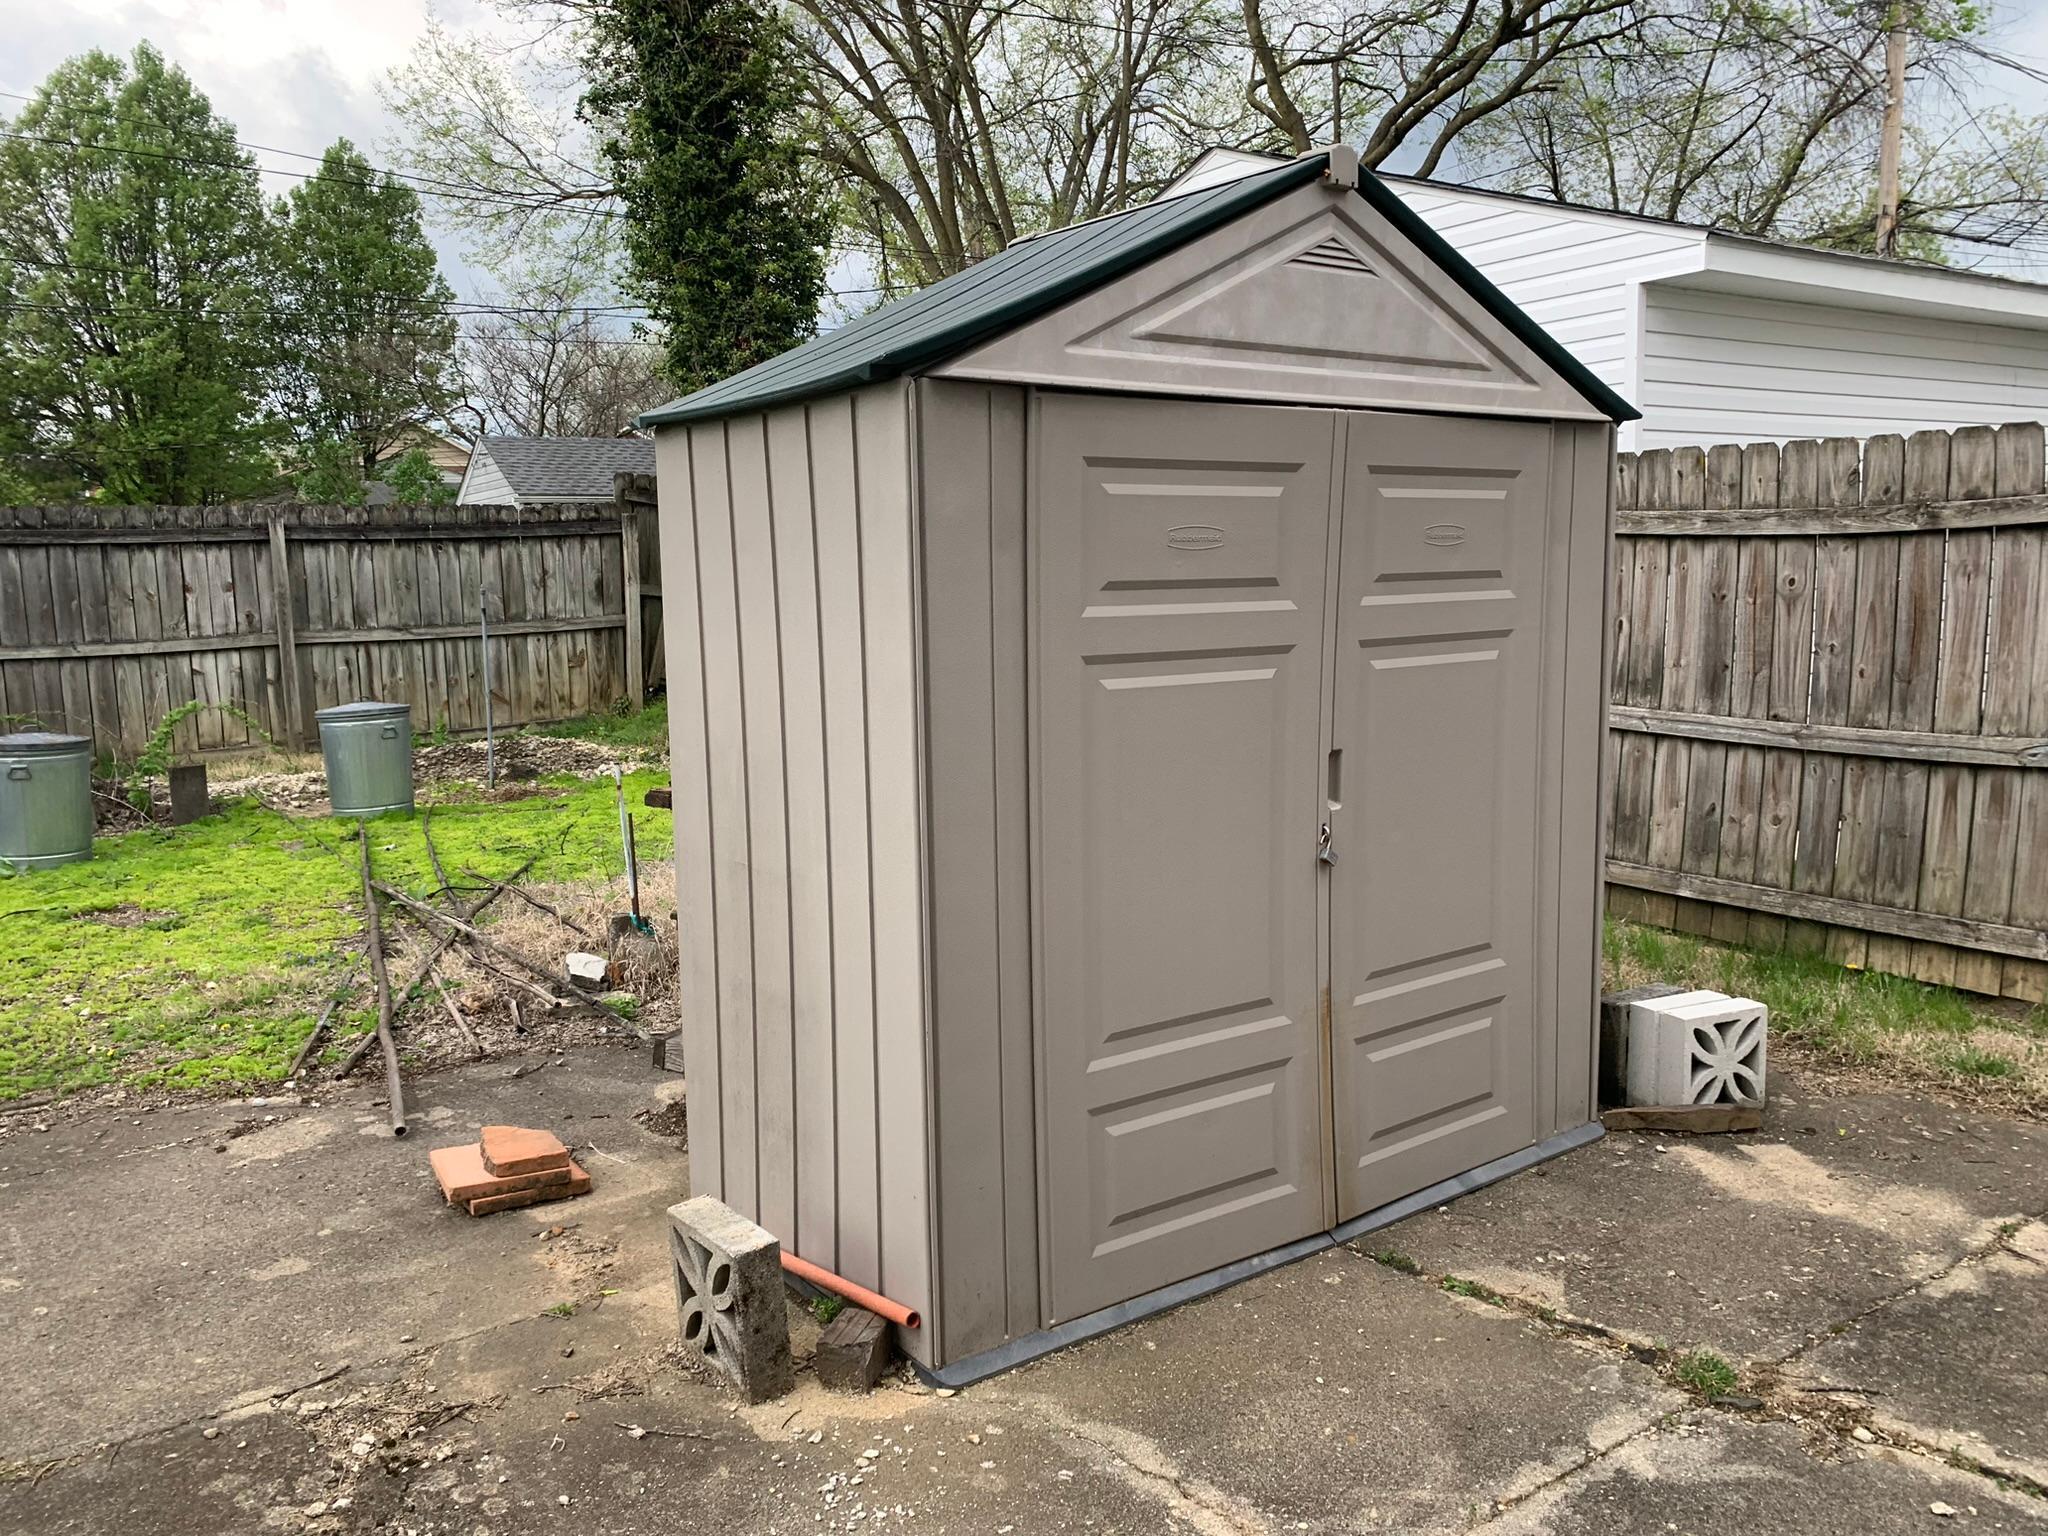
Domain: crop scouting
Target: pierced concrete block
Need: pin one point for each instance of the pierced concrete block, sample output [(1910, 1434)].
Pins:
[(853, 1351), (1696, 1048), (729, 1292)]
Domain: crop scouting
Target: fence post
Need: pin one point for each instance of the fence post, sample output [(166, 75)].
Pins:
[(294, 722), (629, 563)]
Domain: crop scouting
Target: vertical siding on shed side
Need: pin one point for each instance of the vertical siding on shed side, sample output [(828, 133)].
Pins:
[(793, 719), (1723, 367), (971, 513)]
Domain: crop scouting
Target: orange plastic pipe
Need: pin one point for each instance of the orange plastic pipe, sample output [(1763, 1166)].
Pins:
[(859, 1295)]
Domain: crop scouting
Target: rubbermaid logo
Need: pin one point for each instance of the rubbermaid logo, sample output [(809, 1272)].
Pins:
[(1194, 536), (1444, 534)]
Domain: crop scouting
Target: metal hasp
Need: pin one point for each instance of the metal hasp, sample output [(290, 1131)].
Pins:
[(367, 748), (45, 799)]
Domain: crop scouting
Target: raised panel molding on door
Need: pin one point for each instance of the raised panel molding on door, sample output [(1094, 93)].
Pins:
[(1179, 659), (1432, 899)]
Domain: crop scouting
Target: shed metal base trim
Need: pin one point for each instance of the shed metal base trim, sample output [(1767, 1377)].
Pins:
[(1032, 1346)]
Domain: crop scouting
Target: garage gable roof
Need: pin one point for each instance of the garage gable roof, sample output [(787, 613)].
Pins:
[(1030, 277)]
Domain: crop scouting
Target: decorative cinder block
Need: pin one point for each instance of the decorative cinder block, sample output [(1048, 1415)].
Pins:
[(853, 1351), (729, 1294), (1696, 1048)]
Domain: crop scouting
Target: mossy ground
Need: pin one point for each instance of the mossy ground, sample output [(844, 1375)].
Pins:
[(198, 956)]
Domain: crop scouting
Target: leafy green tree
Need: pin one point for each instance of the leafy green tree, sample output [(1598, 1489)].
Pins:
[(695, 103), (330, 476), (133, 331), (366, 335), (414, 480)]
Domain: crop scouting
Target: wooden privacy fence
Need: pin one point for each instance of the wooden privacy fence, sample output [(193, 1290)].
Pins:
[(1829, 725), (113, 617)]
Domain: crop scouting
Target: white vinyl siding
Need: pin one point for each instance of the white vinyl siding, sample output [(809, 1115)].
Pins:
[(483, 484), (1575, 274), (1723, 367)]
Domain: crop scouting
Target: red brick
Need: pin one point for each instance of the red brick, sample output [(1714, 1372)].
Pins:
[(513, 1149), (578, 1183), (463, 1176)]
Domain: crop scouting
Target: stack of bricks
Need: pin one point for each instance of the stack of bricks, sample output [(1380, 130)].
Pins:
[(507, 1166)]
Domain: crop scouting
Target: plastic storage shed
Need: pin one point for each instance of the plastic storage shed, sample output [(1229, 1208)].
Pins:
[(1137, 759)]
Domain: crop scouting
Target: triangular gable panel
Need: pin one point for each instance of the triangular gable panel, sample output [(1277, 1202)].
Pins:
[(1314, 296)]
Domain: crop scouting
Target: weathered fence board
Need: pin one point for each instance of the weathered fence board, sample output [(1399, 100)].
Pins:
[(1830, 700), (113, 617)]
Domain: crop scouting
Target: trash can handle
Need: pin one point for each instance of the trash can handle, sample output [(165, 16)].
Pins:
[(19, 771), (390, 730)]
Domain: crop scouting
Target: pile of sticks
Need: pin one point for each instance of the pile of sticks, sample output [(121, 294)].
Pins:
[(450, 924)]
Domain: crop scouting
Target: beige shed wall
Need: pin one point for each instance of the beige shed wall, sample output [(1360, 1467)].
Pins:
[(794, 723)]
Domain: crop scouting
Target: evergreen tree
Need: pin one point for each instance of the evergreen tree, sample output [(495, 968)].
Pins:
[(366, 336), (695, 104), (133, 332)]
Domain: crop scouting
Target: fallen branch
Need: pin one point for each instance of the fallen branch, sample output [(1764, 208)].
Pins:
[(639, 1432), (362, 1046), (320, 1024), (466, 930), (373, 929), (538, 905), (476, 1047)]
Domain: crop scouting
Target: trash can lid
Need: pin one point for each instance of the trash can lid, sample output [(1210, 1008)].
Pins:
[(363, 709), (42, 744)]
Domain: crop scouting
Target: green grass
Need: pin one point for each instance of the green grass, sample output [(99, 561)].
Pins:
[(1399, 1262), (1458, 1285), (238, 927), (646, 729), (1862, 1018), (825, 1308), (1704, 1371)]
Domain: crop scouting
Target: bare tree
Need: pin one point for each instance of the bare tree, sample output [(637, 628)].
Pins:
[(548, 365), (1763, 120)]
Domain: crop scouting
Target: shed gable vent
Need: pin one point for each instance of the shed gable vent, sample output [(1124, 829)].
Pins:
[(1334, 255)]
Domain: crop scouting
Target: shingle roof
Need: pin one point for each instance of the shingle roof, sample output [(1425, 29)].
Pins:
[(567, 468), (1030, 277)]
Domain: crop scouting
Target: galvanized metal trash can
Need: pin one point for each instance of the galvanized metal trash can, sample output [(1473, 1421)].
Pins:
[(45, 799), (368, 751)]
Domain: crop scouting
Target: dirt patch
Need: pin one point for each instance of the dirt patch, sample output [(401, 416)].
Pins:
[(127, 915), (672, 1121)]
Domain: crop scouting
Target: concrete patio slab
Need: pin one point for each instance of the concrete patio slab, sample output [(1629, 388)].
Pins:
[(1752, 1244), (1716, 1473), (1962, 1363), (1338, 1395), (158, 1265)]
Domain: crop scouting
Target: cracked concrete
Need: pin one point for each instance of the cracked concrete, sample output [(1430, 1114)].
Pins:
[(294, 1335)]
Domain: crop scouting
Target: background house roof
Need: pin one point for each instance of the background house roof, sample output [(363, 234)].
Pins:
[(566, 468), (1032, 276)]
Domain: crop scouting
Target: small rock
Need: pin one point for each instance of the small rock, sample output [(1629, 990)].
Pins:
[(1861, 1434), (568, 1350), (562, 1499), (315, 1510), (209, 1433), (571, 1416), (1945, 1511), (406, 1338)]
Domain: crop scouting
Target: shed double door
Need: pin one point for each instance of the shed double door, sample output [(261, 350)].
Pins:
[(1254, 624)]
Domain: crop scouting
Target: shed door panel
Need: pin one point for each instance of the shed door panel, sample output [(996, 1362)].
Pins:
[(1181, 563), (1434, 799)]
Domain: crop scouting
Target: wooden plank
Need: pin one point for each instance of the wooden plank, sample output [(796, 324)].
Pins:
[(172, 646), (1858, 741), (1885, 517), (2030, 943), (1685, 1119)]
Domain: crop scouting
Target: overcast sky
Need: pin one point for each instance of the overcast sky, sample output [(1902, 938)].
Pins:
[(296, 74)]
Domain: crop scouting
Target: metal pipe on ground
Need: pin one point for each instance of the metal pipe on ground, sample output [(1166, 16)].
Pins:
[(373, 930), (859, 1295)]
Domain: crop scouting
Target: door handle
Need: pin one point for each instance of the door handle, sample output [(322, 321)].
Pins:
[(1325, 854)]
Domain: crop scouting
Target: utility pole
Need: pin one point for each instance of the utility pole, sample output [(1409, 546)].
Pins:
[(1889, 144)]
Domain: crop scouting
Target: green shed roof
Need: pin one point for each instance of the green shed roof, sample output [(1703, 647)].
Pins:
[(1030, 277)]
